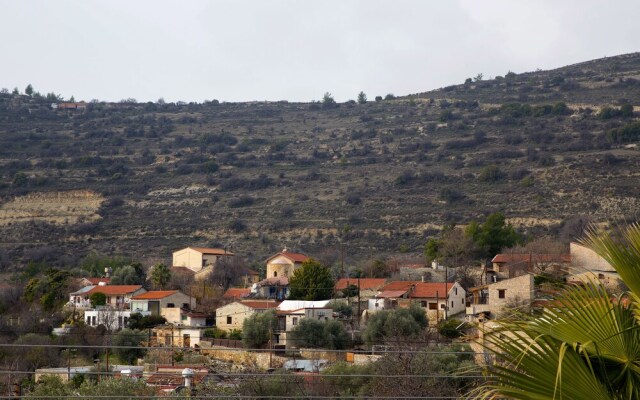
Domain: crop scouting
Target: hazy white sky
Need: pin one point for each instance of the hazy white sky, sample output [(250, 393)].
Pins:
[(295, 50)]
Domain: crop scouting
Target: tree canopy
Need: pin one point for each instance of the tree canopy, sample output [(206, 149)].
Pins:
[(493, 235), (312, 281), (320, 334), (402, 322), (160, 275), (257, 329)]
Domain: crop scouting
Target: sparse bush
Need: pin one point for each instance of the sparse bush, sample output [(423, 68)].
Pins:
[(491, 173), (242, 201)]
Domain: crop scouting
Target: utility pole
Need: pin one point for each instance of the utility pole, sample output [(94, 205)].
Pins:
[(446, 291), (358, 297)]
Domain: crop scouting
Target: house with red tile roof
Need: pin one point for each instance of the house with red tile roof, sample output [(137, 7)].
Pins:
[(94, 281), (438, 299), (236, 293), (155, 302), (284, 264), (118, 296)]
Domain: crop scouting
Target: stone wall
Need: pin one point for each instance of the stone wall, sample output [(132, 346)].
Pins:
[(247, 359)]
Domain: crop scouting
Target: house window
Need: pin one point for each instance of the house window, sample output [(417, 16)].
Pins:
[(443, 306), (119, 322), (294, 321), (125, 320), (186, 306), (170, 305), (433, 306), (93, 321), (423, 303), (275, 274), (600, 276), (89, 321), (455, 290), (502, 293), (108, 299), (462, 301), (229, 319), (452, 304)]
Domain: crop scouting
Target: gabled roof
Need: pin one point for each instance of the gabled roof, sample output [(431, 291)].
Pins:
[(210, 250), (155, 295), (398, 285), (531, 257), (391, 294), (289, 305), (295, 257), (431, 290), (236, 293), (365, 283), (115, 289), (79, 291), (260, 305)]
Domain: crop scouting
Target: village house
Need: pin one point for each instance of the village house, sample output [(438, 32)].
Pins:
[(117, 296), (200, 260), (440, 300), (271, 288), (284, 264), (511, 265), (94, 281), (162, 303), (291, 312), (233, 315), (171, 335), (112, 319), (494, 300)]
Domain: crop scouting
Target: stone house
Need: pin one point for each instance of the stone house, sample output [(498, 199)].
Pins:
[(156, 301), (177, 335), (233, 315), (439, 300), (511, 265), (271, 288), (587, 265), (197, 258), (291, 312), (284, 264), (494, 300)]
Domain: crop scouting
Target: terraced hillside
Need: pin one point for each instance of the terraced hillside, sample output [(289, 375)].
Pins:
[(543, 147)]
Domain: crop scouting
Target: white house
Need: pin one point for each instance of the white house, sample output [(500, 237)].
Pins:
[(291, 312), (157, 300), (197, 258), (111, 318)]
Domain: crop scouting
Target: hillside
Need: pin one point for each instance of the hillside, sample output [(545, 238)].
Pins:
[(142, 179)]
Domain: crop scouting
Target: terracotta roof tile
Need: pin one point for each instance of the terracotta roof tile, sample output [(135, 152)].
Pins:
[(236, 293), (398, 285), (430, 290), (155, 294), (386, 294), (115, 289), (260, 305), (295, 257), (365, 283)]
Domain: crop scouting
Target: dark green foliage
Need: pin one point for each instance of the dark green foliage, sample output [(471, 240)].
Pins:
[(312, 281), (449, 328), (129, 338), (362, 98), (493, 235), (50, 290), (160, 275), (215, 333), (626, 134), (625, 111), (328, 101), (133, 274), (257, 329), (491, 173), (398, 323), (320, 334), (139, 322), (343, 309), (98, 299)]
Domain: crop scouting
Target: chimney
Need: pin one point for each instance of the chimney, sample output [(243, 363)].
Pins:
[(187, 374), (422, 278)]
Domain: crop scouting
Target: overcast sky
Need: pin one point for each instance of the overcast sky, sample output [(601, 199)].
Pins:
[(295, 50)]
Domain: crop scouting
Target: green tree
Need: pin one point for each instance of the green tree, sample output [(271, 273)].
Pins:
[(312, 281), (320, 334), (587, 346), (133, 274), (28, 90), (257, 329), (328, 101), (160, 275), (493, 235), (98, 299), (362, 98), (398, 323), (133, 340), (431, 250)]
